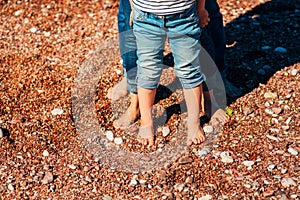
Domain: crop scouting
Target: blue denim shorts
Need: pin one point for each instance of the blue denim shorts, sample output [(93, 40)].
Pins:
[(183, 34)]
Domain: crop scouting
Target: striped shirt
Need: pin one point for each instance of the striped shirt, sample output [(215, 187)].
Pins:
[(163, 7)]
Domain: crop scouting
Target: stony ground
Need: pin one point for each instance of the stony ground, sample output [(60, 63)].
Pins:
[(43, 156)]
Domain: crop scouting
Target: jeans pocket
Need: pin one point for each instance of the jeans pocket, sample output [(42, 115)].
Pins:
[(138, 15)]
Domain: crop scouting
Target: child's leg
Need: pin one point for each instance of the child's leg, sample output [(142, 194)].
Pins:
[(193, 98), (146, 99)]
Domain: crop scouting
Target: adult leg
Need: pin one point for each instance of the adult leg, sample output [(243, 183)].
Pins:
[(127, 43), (215, 29)]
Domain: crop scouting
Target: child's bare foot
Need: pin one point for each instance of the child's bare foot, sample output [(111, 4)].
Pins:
[(195, 134), (219, 118), (146, 135), (118, 91)]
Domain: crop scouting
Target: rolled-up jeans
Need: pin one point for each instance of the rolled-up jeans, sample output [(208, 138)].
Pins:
[(127, 45), (183, 33)]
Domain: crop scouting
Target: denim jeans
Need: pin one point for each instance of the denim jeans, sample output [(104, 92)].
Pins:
[(212, 40), (213, 36), (127, 45), (183, 34)]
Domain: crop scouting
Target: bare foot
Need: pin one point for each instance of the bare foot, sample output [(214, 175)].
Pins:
[(146, 135), (130, 115), (118, 91), (219, 118), (195, 134)]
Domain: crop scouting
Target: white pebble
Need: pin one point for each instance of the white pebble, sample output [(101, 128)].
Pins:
[(165, 131), (208, 129), (118, 71), (288, 121), (272, 138), (271, 167), (72, 166), (225, 157), (57, 111), (287, 182), (118, 140), (293, 151), (33, 30), (109, 135), (203, 151), (18, 12), (1, 133), (294, 196), (11, 187), (294, 72), (248, 163), (269, 111), (47, 34), (206, 197), (270, 95), (45, 153), (280, 50), (133, 182)]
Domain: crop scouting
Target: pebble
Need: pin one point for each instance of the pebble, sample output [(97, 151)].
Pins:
[(206, 197), (72, 166), (271, 167), (269, 111), (18, 12), (261, 72), (57, 111), (248, 163), (33, 30), (109, 135), (203, 151), (45, 153), (1, 133), (10, 187), (118, 140), (270, 95), (277, 110), (272, 138), (47, 34), (179, 187), (185, 160), (105, 197), (288, 121), (133, 182), (285, 128), (294, 72), (287, 182), (266, 48), (118, 71), (165, 131), (208, 129), (225, 157), (48, 178), (280, 49), (293, 151), (266, 67)]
